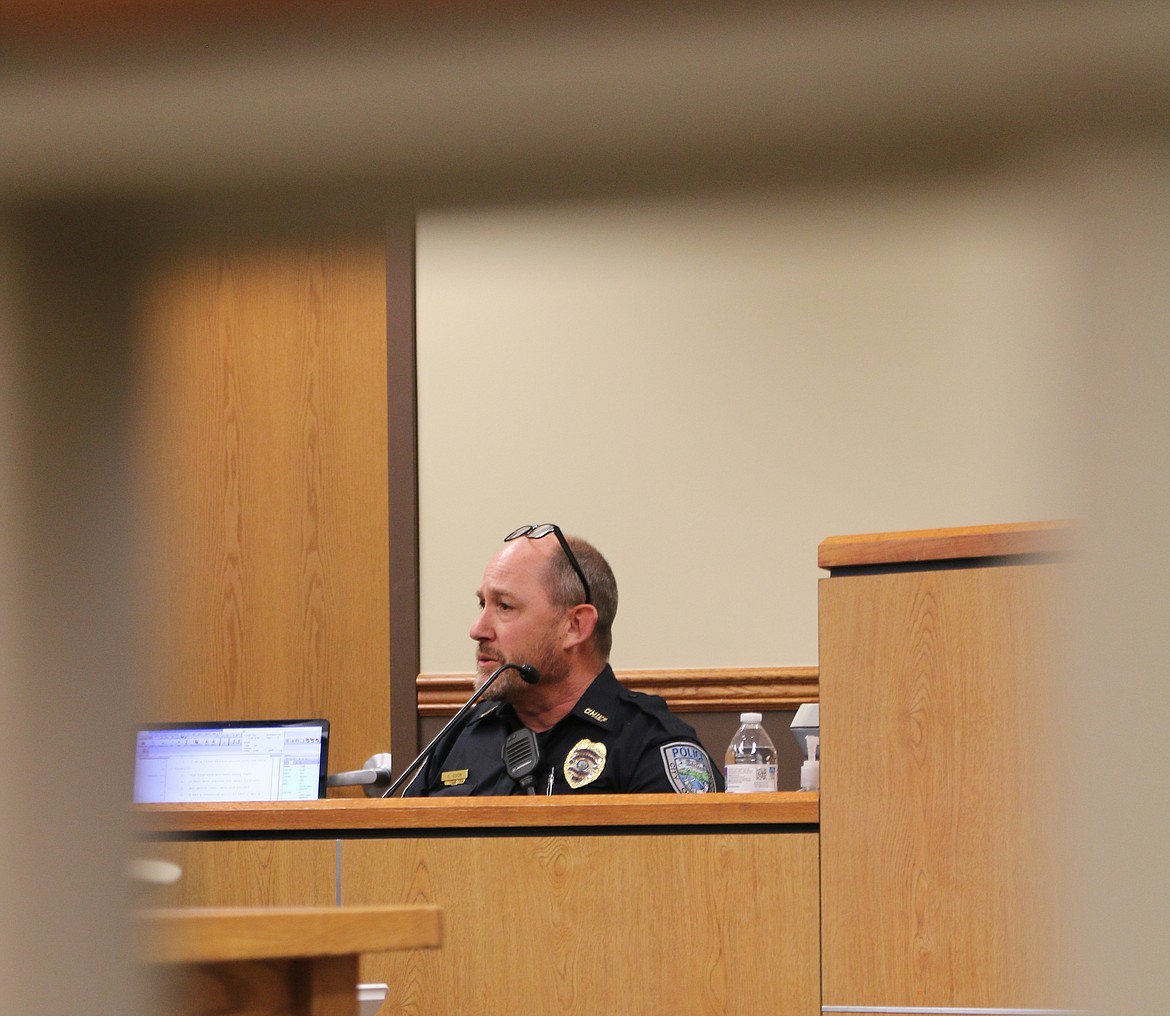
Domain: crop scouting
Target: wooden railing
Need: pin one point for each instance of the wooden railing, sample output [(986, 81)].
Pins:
[(697, 690)]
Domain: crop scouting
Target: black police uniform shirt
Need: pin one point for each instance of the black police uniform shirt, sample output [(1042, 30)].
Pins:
[(614, 741)]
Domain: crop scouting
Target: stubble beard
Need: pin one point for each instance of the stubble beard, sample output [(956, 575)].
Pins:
[(504, 686), (510, 686)]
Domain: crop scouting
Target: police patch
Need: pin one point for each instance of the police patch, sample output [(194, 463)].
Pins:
[(687, 768)]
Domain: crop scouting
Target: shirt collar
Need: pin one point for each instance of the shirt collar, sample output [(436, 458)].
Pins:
[(599, 702), (491, 709), (597, 705)]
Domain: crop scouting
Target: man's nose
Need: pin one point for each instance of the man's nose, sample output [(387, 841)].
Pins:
[(479, 628)]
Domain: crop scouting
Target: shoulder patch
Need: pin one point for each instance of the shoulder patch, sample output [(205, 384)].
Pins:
[(688, 768)]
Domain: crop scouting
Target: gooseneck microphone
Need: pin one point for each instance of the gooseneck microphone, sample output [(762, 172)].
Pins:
[(530, 674)]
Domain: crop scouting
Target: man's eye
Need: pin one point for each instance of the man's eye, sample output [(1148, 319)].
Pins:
[(504, 605)]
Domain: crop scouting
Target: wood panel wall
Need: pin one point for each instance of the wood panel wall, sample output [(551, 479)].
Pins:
[(264, 449)]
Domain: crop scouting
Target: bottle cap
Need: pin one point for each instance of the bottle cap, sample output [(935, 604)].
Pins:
[(751, 717)]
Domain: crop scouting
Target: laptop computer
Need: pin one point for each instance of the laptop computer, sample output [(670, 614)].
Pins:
[(237, 760)]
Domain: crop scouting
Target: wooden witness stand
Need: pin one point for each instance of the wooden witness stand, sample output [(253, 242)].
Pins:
[(638, 904)]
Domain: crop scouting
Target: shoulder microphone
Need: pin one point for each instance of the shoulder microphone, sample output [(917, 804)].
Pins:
[(521, 755), (530, 674)]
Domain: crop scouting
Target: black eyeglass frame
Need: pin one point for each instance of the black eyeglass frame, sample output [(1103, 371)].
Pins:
[(542, 529)]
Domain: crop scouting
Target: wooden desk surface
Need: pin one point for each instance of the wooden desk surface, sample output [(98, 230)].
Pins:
[(433, 814), (217, 934)]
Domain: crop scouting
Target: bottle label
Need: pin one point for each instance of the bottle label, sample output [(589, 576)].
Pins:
[(743, 778)]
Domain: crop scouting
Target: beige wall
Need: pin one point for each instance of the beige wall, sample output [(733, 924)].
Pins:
[(708, 387)]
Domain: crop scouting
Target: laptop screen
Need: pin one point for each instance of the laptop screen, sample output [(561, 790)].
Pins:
[(255, 760)]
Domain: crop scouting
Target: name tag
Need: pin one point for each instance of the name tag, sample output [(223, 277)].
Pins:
[(454, 777)]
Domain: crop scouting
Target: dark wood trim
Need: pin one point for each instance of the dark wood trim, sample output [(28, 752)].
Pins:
[(402, 433), (712, 689)]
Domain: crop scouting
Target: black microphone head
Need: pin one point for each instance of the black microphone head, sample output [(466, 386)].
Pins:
[(529, 673)]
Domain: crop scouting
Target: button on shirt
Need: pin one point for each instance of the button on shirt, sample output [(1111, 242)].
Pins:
[(613, 741)]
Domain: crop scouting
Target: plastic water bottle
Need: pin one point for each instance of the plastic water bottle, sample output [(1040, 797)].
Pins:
[(751, 758)]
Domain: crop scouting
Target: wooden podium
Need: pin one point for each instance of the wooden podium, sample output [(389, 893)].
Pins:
[(941, 771), (299, 961)]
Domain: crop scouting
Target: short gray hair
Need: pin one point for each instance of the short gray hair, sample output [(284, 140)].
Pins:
[(564, 588)]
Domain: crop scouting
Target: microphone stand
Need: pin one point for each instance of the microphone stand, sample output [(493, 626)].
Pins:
[(528, 673)]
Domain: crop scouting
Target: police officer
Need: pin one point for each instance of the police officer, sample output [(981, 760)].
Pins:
[(550, 603)]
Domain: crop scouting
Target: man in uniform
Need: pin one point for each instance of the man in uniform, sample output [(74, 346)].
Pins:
[(550, 604)]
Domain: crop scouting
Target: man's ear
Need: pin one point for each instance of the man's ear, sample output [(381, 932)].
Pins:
[(582, 622)]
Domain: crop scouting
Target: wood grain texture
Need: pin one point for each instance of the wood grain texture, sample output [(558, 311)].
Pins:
[(1012, 539), (263, 436), (719, 689), (939, 787), (251, 873), (213, 934), (425, 814), (637, 925)]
